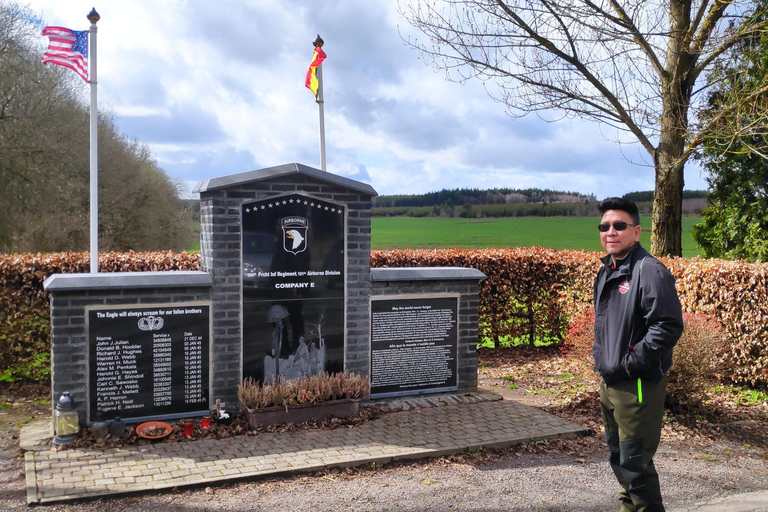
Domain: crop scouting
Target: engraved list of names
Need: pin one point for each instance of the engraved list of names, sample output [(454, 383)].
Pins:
[(414, 345), (150, 361)]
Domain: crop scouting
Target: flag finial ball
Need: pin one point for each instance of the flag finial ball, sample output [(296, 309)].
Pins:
[(318, 42), (93, 16)]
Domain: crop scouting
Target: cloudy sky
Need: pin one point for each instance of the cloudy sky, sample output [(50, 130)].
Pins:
[(217, 88)]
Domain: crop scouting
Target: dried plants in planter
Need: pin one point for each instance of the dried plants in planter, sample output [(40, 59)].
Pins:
[(317, 388)]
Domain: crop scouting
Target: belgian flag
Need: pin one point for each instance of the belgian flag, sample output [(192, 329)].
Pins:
[(311, 81)]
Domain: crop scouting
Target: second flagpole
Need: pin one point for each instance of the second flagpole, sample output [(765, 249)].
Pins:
[(318, 43)]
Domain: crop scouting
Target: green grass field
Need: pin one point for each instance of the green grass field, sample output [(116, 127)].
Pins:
[(550, 232)]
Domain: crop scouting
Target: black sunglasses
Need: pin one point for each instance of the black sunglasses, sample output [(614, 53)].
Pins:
[(619, 225)]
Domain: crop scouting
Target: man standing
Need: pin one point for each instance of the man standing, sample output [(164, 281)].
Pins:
[(638, 320)]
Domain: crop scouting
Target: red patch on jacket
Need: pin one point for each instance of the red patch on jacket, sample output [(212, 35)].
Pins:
[(624, 287)]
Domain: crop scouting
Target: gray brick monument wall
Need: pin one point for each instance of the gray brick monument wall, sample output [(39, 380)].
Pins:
[(392, 282), (220, 247), (72, 293), (220, 283)]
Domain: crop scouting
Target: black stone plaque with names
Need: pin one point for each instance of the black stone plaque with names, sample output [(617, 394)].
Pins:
[(149, 362), (414, 345), (293, 287)]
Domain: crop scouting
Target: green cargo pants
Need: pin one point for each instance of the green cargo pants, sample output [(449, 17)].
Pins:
[(632, 412)]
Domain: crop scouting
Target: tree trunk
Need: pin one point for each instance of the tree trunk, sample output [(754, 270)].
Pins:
[(669, 162), (666, 233)]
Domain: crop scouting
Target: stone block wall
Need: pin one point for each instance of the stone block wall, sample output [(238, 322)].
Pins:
[(71, 294), (220, 213), (421, 281), (220, 284)]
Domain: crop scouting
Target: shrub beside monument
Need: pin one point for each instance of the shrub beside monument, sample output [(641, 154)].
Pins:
[(530, 293)]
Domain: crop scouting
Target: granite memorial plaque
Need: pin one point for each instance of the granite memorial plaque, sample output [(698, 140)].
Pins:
[(148, 362), (414, 344), (293, 287)]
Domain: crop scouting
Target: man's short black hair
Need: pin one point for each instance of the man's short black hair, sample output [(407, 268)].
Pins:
[(619, 203)]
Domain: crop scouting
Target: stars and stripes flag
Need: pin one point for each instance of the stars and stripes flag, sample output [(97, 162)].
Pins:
[(68, 48), (311, 81)]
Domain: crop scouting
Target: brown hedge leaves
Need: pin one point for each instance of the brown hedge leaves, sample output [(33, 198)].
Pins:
[(735, 295), (24, 308), (530, 294)]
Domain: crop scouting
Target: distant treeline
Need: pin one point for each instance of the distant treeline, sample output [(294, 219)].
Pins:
[(461, 197), (472, 203), (640, 197)]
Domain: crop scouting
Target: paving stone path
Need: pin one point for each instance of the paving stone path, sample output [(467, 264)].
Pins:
[(438, 427)]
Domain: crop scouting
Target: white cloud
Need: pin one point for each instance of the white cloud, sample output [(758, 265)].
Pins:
[(217, 88)]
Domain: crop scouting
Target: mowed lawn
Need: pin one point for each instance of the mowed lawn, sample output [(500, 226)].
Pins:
[(549, 232)]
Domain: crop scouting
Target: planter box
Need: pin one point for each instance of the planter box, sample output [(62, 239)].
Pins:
[(302, 412)]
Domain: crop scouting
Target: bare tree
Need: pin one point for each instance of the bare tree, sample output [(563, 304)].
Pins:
[(631, 64), (44, 160)]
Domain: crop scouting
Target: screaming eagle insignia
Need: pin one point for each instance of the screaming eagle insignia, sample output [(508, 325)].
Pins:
[(295, 234)]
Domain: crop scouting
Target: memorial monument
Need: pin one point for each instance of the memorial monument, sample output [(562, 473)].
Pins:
[(285, 288)]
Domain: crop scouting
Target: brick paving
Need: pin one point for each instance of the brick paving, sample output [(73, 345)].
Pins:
[(430, 429)]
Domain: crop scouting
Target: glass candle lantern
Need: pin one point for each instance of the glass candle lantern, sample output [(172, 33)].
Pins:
[(65, 420), (100, 428)]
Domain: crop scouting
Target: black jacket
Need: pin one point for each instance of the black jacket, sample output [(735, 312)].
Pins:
[(638, 318)]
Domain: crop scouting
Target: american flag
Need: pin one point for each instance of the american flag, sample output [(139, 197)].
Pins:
[(68, 48)]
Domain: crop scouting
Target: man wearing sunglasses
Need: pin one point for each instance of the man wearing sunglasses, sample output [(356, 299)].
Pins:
[(638, 320)]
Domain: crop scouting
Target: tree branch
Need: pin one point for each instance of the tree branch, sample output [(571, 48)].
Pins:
[(627, 22), (621, 113), (704, 34), (729, 43)]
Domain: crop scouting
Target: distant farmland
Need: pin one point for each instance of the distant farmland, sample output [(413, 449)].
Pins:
[(551, 232)]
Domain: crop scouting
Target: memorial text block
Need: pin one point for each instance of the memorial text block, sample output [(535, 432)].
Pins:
[(414, 345), (148, 362)]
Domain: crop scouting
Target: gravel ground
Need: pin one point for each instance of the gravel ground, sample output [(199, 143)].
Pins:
[(559, 476), (515, 479)]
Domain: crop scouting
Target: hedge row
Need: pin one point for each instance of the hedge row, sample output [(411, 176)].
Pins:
[(24, 305), (533, 291), (530, 294), (735, 295)]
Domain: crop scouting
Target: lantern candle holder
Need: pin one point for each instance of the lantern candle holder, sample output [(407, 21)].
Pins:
[(100, 428), (65, 420)]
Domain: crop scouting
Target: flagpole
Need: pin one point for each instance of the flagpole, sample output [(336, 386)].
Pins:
[(94, 17), (318, 43)]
